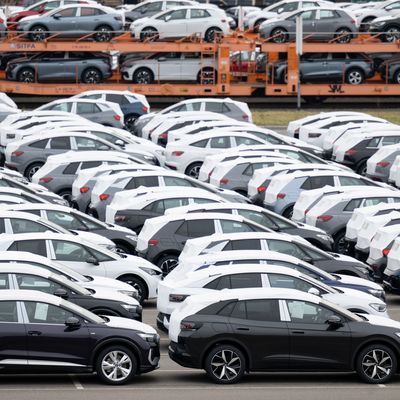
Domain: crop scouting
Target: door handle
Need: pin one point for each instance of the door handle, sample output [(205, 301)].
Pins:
[(34, 333), (242, 329), (298, 332)]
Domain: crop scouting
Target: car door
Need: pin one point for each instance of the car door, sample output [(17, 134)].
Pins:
[(50, 341), (325, 22), (313, 66), (64, 21), (168, 66), (194, 229), (88, 19), (309, 23), (175, 24), (315, 344), (58, 145), (258, 325), (77, 257), (50, 66)]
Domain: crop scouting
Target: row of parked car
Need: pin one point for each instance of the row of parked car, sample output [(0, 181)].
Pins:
[(96, 216)]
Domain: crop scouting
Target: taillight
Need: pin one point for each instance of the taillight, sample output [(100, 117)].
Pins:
[(177, 298), (210, 173), (385, 252), (84, 189), (223, 20), (281, 195), (152, 242), (46, 179), (306, 211), (190, 326), (163, 136), (324, 218), (117, 117), (177, 153), (223, 181), (120, 218), (261, 189), (351, 152), (245, 116), (145, 109), (104, 196), (17, 153), (383, 164)]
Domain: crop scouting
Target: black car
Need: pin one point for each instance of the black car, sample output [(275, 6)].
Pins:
[(352, 68), (282, 330), (388, 28), (45, 334)]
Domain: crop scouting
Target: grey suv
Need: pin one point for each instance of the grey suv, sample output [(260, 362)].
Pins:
[(60, 67), (352, 68)]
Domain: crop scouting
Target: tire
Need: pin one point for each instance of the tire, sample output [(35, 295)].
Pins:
[(138, 284), (211, 34), (343, 35), (288, 212), (362, 167), (91, 76), (339, 243), (32, 169), (104, 33), (396, 77), (167, 263), (279, 35), (257, 24), (38, 33), (355, 76), (113, 359), (143, 76), (376, 363), (391, 34), (149, 33), (129, 121), (225, 364), (66, 194), (26, 75), (193, 169), (207, 76)]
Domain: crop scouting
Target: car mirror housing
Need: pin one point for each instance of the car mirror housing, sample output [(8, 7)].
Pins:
[(72, 322), (57, 16), (61, 293), (334, 320), (314, 291), (92, 260)]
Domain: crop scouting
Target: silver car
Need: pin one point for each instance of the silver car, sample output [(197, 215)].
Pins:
[(170, 67), (73, 21), (318, 24)]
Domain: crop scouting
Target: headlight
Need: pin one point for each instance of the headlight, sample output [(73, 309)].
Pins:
[(150, 337), (130, 293), (397, 334), (376, 292), (132, 308), (150, 271), (378, 307), (131, 237), (379, 23)]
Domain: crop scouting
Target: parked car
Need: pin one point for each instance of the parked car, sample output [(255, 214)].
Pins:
[(60, 67), (379, 164), (390, 69), (48, 314), (195, 344), (391, 274), (73, 21), (205, 21), (324, 23), (387, 26), (352, 68), (85, 257), (367, 15)]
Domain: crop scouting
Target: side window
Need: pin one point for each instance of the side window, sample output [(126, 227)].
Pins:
[(69, 12), (223, 282), (257, 217), (246, 141), (200, 228), (234, 226), (4, 284), (374, 201), (288, 282), (200, 143), (196, 13), (263, 310), (32, 282), (171, 203), (69, 251), (43, 313), (40, 144), (8, 310), (350, 181), (321, 181), (374, 142), (239, 281), (146, 181), (198, 200), (178, 14), (83, 143), (2, 227), (25, 226), (308, 313), (66, 107), (246, 244), (306, 184), (87, 108), (71, 169), (327, 14), (30, 246), (116, 98), (223, 142), (388, 140), (239, 311), (60, 143), (65, 220), (88, 12), (90, 164), (152, 7), (213, 106), (175, 181), (353, 204), (156, 206)]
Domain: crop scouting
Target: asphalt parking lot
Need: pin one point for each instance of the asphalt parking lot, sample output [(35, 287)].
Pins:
[(174, 382)]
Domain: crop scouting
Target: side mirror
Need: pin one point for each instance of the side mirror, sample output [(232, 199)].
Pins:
[(92, 260), (334, 320), (61, 293), (119, 142), (167, 18), (103, 148), (308, 260), (57, 16), (72, 322), (280, 10), (314, 291), (161, 59)]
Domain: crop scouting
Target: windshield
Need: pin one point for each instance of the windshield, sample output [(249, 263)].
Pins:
[(343, 311), (70, 285), (82, 312)]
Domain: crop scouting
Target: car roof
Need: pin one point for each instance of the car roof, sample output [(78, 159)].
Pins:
[(21, 268), (29, 295), (216, 133), (93, 155), (216, 206)]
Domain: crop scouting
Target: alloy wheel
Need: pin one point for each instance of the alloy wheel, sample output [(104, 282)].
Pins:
[(226, 365), (27, 76), (38, 34), (92, 76), (168, 265), (392, 34), (355, 77), (116, 365), (377, 364)]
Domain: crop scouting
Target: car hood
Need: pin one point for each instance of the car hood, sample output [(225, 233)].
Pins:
[(125, 323), (95, 238), (353, 280), (109, 294), (384, 19), (29, 18), (382, 321)]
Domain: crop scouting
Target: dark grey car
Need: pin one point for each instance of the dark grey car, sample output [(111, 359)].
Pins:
[(352, 68), (60, 67), (72, 21), (318, 24), (390, 71)]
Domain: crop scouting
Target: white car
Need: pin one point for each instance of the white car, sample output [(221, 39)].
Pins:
[(391, 273), (379, 165), (367, 14), (172, 293), (87, 258), (187, 155), (143, 203), (204, 21), (87, 281), (394, 175)]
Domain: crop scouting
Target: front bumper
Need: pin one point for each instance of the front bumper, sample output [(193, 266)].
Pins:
[(392, 283), (178, 353)]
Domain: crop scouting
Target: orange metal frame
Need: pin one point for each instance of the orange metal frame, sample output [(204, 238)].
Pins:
[(227, 84)]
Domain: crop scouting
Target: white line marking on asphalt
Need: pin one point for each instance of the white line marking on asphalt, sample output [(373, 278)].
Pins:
[(76, 382), (381, 385)]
